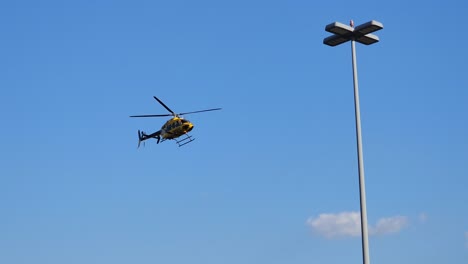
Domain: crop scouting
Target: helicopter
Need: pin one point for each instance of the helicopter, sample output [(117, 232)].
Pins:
[(174, 128)]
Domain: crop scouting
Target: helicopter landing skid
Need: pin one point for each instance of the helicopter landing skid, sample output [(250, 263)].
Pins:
[(185, 140)]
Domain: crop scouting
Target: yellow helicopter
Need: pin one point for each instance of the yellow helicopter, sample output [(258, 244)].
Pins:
[(174, 128)]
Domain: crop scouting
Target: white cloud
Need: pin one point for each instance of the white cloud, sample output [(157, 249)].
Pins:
[(337, 225), (389, 225), (348, 224), (422, 217)]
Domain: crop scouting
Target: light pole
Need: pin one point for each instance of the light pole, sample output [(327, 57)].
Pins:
[(361, 34)]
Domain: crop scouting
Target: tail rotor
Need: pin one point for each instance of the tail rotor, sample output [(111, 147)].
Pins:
[(140, 137)]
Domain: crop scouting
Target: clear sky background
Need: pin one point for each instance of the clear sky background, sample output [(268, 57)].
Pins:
[(272, 178)]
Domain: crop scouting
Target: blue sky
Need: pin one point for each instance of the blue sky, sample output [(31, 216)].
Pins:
[(272, 178)]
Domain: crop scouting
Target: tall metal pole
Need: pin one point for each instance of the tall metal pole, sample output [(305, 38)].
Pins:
[(362, 187)]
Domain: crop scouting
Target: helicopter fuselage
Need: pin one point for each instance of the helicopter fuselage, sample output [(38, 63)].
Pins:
[(175, 127)]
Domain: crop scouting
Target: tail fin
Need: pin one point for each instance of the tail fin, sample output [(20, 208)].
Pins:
[(140, 137)]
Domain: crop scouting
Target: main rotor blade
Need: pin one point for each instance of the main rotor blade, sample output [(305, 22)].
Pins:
[(165, 106), (186, 113), (151, 115)]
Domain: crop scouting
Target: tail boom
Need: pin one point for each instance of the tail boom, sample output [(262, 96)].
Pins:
[(142, 136)]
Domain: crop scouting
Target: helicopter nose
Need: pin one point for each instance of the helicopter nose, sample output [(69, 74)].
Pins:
[(188, 127)]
